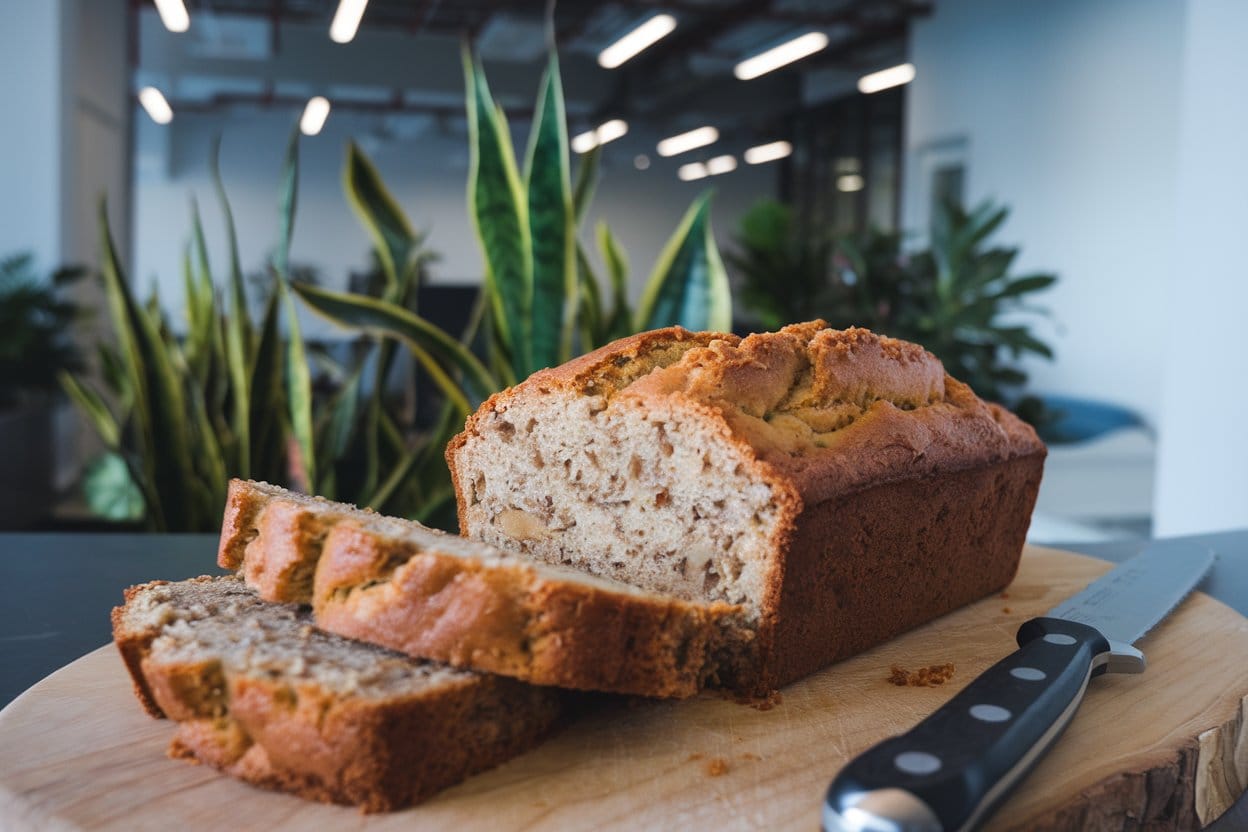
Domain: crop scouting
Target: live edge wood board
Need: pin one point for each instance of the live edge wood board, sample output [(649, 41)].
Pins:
[(1167, 749)]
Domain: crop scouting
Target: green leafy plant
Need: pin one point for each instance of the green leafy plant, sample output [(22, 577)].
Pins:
[(956, 297), (233, 396), (236, 396), (784, 268), (35, 321), (541, 300)]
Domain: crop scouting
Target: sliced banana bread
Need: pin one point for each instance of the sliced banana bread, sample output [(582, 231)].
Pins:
[(261, 694), (438, 596), (838, 485)]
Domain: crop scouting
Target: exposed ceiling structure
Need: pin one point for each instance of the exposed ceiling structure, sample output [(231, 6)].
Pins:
[(276, 52)]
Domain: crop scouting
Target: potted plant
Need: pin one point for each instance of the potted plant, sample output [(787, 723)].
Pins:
[(35, 318), (957, 297)]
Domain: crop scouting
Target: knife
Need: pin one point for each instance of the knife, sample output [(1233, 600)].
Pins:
[(954, 768)]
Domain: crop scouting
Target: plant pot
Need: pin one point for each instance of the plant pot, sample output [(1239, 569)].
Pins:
[(26, 465)]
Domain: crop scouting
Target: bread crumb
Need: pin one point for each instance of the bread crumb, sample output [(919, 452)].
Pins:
[(762, 703), (1006, 610), (1004, 595), (697, 755), (750, 755), (924, 677), (716, 767)]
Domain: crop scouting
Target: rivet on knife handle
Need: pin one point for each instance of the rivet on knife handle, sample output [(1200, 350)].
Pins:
[(954, 767)]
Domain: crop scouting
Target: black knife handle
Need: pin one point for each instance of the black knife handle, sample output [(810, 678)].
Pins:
[(952, 769)]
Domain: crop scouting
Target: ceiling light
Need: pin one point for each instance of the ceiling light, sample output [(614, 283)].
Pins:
[(608, 131), (769, 152), (584, 142), (156, 105), (173, 14), (700, 137), (885, 79), (611, 130), (721, 164), (640, 38), (314, 115), (346, 20), (778, 56), (849, 183), (692, 171)]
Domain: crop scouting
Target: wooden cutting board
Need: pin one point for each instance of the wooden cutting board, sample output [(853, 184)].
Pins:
[(77, 753)]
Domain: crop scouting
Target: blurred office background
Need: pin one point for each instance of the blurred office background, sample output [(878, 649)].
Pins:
[(1111, 129)]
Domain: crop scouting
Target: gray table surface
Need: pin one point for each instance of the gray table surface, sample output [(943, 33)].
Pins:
[(56, 591)]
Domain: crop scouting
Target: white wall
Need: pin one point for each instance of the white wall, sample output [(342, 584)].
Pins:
[(65, 109), (1203, 455), (428, 175), (30, 98), (1069, 112)]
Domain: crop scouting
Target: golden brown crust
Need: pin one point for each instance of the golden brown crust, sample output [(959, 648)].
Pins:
[(379, 755), (295, 736), (490, 612), (885, 469), (509, 617), (133, 646)]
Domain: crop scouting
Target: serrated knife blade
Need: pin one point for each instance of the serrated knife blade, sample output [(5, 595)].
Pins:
[(1129, 600)]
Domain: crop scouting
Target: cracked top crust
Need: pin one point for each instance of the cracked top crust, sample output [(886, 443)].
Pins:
[(827, 411)]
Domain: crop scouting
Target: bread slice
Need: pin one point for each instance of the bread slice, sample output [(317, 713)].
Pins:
[(434, 595), (838, 486), (261, 694)]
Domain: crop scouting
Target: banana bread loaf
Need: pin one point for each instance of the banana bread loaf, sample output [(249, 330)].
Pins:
[(260, 694), (836, 484), (399, 584)]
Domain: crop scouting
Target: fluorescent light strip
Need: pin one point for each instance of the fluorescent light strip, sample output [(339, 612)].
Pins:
[(611, 130), (584, 142), (778, 56), (721, 164), (769, 152), (849, 183), (692, 171), (639, 39), (675, 145), (608, 131), (174, 15), (314, 114), (346, 20), (157, 107), (885, 79)]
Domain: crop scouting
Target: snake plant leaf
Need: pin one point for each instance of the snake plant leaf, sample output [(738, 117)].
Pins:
[(586, 182), (689, 285), (288, 194), (437, 351), (618, 323), (590, 319), (500, 216), (386, 224), (158, 405), (90, 402), (552, 227), (341, 415), (267, 405), (216, 378), (197, 330), (299, 392), (298, 375), (238, 331)]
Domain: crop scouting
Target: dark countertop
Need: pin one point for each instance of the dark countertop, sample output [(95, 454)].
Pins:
[(56, 591)]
